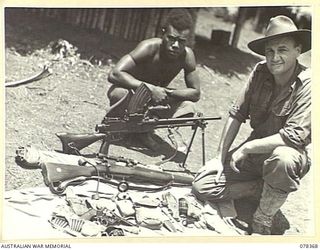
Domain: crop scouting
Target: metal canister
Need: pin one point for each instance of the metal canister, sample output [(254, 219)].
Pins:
[(183, 208)]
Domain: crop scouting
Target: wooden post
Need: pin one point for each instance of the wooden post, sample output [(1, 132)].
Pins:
[(161, 19), (128, 24), (47, 11), (89, 18), (69, 16), (155, 20), (135, 27), (113, 21), (42, 12), (194, 14), (84, 17), (151, 13), (131, 24), (119, 23), (101, 19), (143, 23), (108, 20), (96, 15), (78, 17), (256, 21), (239, 23)]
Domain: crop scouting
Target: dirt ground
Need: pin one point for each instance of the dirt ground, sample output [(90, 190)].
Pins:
[(73, 99)]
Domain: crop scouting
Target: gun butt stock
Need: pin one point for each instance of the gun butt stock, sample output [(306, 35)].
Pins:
[(58, 172), (79, 141)]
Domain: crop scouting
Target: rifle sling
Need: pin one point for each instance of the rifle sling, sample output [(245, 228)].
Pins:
[(62, 187)]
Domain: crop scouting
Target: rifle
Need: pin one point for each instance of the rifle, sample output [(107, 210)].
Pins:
[(58, 176)]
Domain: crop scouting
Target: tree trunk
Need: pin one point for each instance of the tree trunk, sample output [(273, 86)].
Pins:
[(239, 24), (256, 21)]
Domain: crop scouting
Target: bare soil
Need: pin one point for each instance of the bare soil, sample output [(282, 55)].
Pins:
[(73, 99)]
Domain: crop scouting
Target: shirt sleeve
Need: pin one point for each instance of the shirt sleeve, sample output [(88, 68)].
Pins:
[(297, 129), (240, 108)]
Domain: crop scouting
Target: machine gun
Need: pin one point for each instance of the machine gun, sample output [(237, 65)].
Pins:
[(112, 128), (132, 115), (109, 169)]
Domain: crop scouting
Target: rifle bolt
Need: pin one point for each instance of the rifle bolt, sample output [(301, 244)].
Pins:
[(95, 197)]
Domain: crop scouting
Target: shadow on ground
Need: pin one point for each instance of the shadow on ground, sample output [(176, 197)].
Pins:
[(246, 208), (167, 151)]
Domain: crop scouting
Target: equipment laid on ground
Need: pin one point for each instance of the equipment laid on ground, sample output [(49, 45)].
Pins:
[(115, 196)]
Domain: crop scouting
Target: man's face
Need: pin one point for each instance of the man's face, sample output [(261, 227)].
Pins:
[(281, 55), (174, 42)]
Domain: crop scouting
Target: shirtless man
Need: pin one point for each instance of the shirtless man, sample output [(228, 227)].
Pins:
[(156, 62)]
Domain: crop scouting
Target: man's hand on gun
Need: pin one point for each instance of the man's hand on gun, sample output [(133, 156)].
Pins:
[(213, 166), (159, 94)]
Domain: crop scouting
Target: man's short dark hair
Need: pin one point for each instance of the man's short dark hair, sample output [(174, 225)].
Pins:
[(180, 19)]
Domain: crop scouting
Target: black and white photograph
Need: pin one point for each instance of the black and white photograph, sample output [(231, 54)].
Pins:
[(129, 122)]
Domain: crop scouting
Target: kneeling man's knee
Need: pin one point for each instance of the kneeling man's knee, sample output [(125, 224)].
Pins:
[(207, 189), (284, 168), (116, 93), (287, 156)]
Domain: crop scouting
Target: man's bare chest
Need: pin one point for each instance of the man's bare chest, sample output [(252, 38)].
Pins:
[(158, 73)]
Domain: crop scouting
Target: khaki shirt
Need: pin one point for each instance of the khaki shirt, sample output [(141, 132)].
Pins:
[(287, 112)]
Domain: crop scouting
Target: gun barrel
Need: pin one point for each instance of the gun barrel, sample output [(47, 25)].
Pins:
[(146, 125), (182, 122), (190, 119), (151, 176)]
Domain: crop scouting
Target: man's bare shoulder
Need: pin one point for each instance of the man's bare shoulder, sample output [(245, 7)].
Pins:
[(145, 50), (152, 44), (189, 51), (154, 40), (190, 60)]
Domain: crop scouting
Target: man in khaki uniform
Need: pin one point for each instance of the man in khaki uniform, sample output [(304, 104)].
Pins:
[(277, 101)]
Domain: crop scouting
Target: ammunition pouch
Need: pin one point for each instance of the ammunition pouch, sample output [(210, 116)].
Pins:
[(148, 213)]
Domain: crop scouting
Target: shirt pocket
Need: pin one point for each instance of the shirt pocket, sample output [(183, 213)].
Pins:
[(258, 113), (283, 108)]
